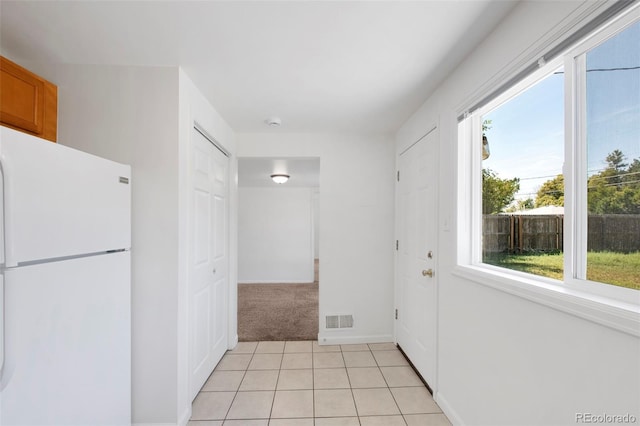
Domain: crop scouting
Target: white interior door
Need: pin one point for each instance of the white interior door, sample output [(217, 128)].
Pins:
[(208, 258), (416, 281)]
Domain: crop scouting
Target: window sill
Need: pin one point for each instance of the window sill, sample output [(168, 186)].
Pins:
[(620, 316)]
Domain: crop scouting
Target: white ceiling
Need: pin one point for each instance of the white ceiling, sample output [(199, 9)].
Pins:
[(304, 172), (321, 66)]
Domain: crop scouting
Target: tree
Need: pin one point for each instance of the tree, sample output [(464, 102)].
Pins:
[(551, 193), (497, 193), (526, 204), (616, 189), (521, 205), (615, 161), (486, 125)]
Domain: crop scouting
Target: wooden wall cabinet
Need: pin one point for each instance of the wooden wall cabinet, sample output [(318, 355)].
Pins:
[(28, 102)]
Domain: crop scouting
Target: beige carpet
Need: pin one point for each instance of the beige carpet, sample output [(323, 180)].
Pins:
[(269, 312)]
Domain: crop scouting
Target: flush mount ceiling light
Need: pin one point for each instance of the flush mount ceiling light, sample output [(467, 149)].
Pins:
[(273, 121), (280, 178)]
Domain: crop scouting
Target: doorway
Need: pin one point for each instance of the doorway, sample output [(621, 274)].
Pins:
[(278, 254)]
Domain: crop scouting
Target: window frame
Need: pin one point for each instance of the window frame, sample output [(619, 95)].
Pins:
[(607, 304)]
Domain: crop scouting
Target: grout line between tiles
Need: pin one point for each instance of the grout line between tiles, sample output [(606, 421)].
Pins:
[(275, 390), (313, 385), (353, 398), (238, 390)]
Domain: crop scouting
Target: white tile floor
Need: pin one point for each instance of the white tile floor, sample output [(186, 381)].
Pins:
[(305, 384)]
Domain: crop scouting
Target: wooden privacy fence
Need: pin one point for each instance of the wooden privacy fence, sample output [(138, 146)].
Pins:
[(543, 233), (614, 232)]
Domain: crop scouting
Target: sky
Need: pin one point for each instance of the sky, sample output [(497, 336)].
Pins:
[(526, 137)]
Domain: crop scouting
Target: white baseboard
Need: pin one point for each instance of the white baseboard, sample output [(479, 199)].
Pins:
[(233, 342), (332, 339), (448, 411), (184, 419), (303, 281)]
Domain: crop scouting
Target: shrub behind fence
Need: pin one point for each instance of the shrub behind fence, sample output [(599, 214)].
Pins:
[(524, 233)]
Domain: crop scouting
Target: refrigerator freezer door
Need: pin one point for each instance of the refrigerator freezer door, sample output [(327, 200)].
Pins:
[(60, 202), (68, 343)]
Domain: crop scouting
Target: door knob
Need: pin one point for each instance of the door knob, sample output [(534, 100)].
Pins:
[(427, 273)]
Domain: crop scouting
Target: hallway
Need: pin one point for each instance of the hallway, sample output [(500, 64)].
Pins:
[(268, 312), (304, 384)]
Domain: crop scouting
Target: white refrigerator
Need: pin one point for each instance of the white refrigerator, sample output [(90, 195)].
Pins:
[(65, 352)]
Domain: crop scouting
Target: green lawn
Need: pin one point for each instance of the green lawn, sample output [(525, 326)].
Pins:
[(607, 267)]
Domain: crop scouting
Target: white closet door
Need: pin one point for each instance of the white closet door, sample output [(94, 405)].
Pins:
[(208, 258)]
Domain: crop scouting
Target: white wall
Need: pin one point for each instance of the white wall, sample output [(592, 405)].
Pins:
[(356, 226), (504, 360), (143, 116), (275, 235)]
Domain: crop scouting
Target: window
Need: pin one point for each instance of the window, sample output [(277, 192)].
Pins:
[(603, 154), (522, 180), (555, 170)]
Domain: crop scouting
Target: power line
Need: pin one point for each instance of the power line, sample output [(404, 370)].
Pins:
[(541, 177), (590, 177), (557, 191), (606, 69), (623, 174), (614, 184), (613, 69)]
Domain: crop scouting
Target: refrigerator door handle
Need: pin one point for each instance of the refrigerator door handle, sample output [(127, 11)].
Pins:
[(7, 229)]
